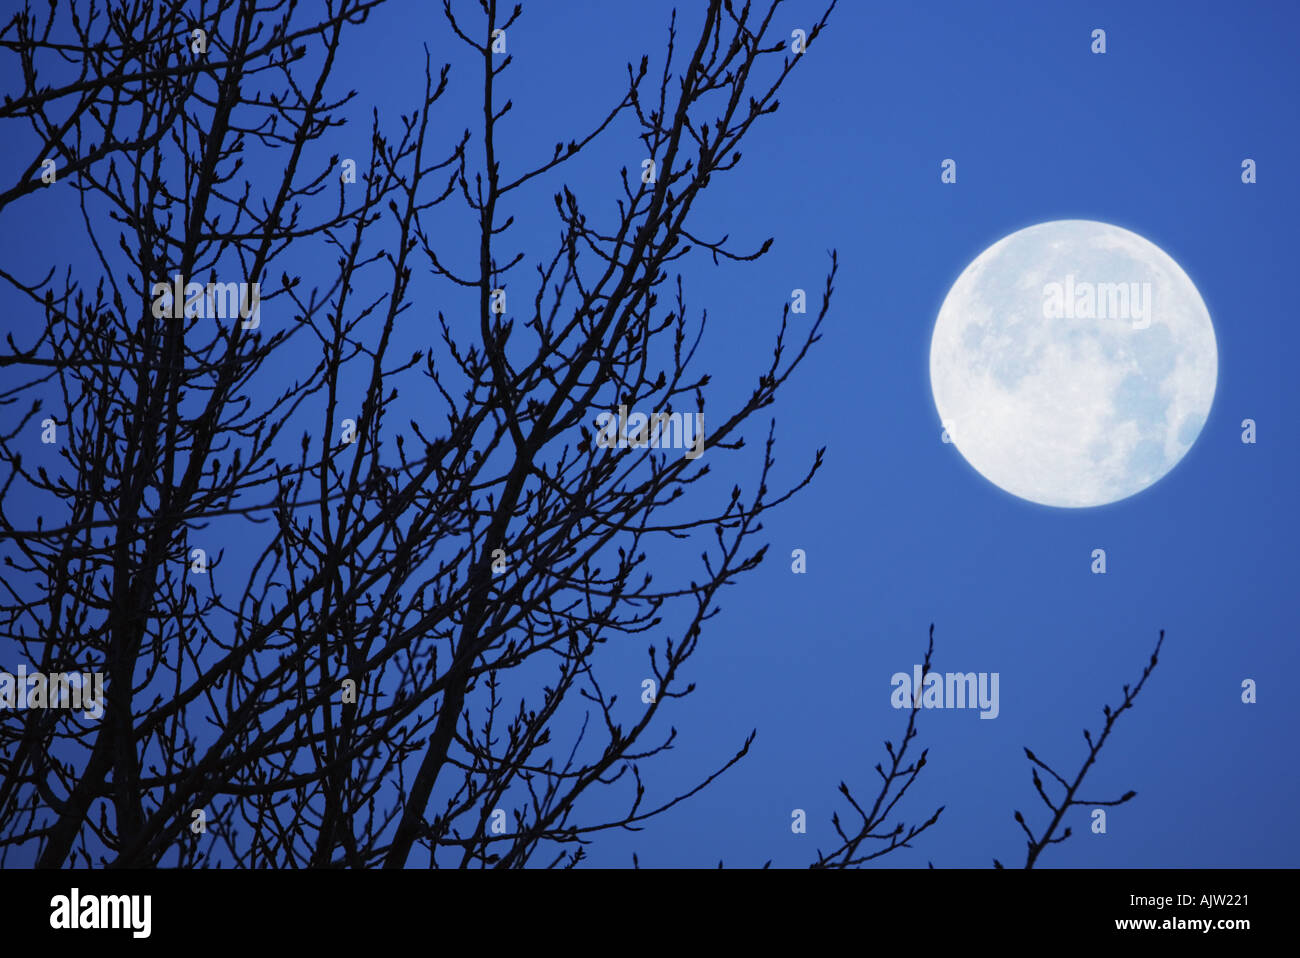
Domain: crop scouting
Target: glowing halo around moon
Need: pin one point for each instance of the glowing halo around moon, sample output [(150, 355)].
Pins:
[(1073, 363)]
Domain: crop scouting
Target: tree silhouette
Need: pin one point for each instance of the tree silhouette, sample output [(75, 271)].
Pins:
[(330, 637), (1036, 844), (870, 836)]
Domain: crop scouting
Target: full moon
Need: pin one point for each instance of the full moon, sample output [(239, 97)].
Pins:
[(1073, 363)]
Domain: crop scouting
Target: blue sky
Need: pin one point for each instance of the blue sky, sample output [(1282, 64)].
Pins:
[(899, 531)]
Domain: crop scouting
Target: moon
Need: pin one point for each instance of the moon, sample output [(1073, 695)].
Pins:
[(1073, 363)]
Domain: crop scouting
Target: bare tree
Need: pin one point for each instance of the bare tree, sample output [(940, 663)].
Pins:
[(1059, 807), (397, 630), (331, 637), (864, 841), (870, 836)]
